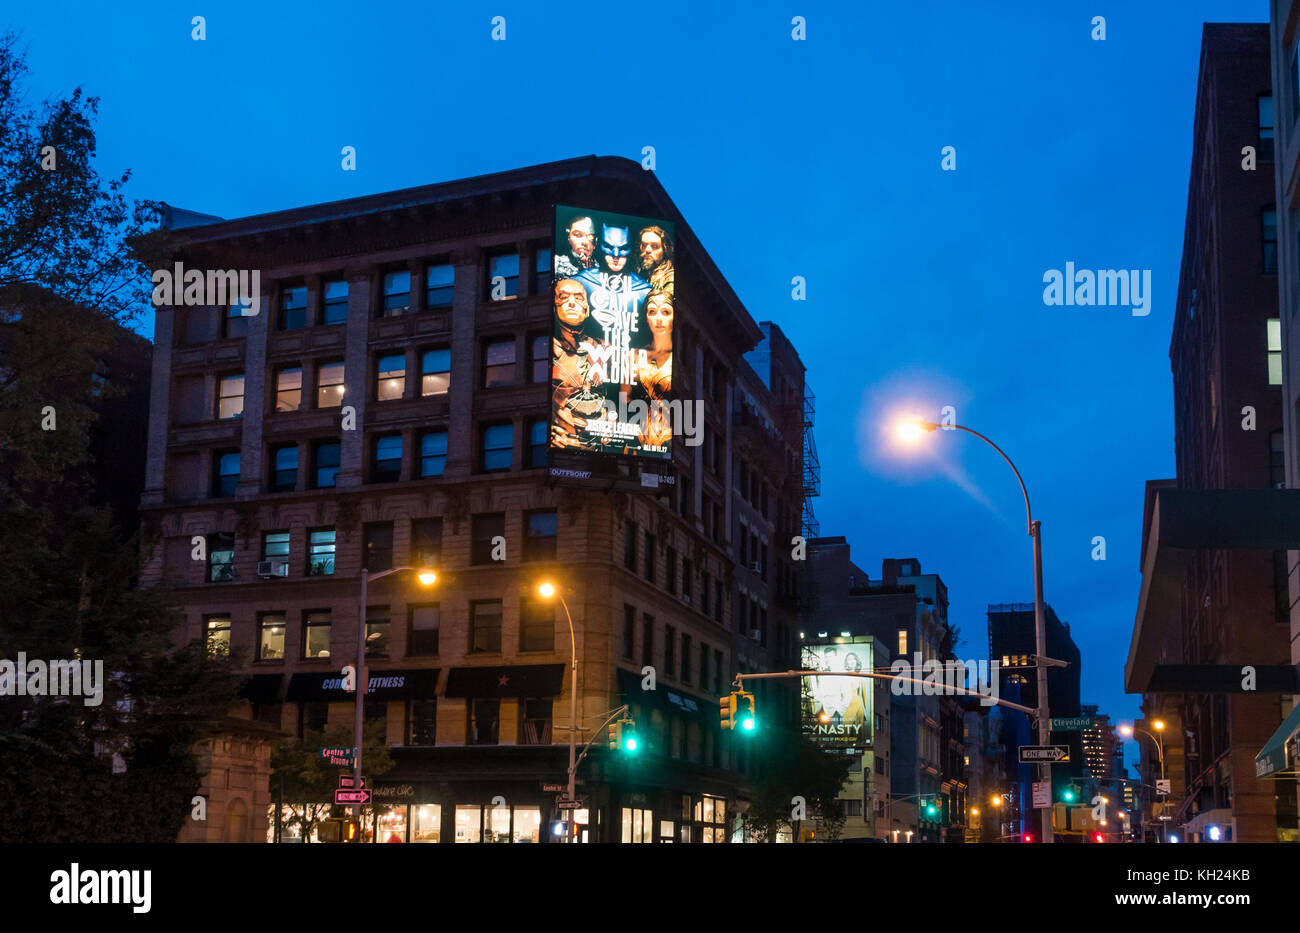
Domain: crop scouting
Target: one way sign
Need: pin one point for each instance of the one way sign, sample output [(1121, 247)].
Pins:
[(1049, 753)]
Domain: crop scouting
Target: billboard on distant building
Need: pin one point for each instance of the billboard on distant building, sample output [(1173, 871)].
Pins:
[(612, 346), (837, 710)]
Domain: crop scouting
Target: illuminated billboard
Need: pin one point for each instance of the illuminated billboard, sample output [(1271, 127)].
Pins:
[(837, 710), (612, 346)]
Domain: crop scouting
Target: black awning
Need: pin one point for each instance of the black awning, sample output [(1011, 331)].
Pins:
[(669, 700), (262, 688), (522, 680), (403, 684)]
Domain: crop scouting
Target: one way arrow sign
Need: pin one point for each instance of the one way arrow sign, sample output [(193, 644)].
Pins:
[(1049, 753)]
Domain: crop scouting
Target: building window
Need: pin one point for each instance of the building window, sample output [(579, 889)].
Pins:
[(498, 363), (426, 542), (227, 478), (485, 626), (325, 458), (629, 545), (377, 546), (704, 666), (288, 389), (536, 624), (688, 580), (221, 557), (503, 277), (686, 659), (540, 530), (1281, 597), (433, 452), (230, 398), (540, 357), (1266, 127), (235, 321), (717, 601), (902, 642), (670, 572), (329, 385), (484, 721), (316, 634), (629, 632), (538, 432), (422, 632), (670, 650), (378, 628), (535, 724), (435, 372), (293, 307), (1268, 222), (650, 557), (485, 530), (386, 467), (705, 586), (275, 546), (498, 446), (1276, 461), (1274, 351), (397, 293), (391, 380), (648, 642), (217, 635), (284, 468), (439, 285), (270, 642), (638, 825), (717, 671), (336, 302), (320, 553), (542, 273), (422, 723)]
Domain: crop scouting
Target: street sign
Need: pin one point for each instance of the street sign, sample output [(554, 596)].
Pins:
[(570, 805), (348, 781), (1048, 753), (1163, 787), (344, 755), (342, 796), (555, 788), (1165, 816), (1072, 724), (1042, 793)]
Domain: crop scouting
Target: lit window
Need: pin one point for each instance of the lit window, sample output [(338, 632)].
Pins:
[(1274, 351), (320, 553), (329, 385), (230, 402), (288, 389), (270, 645), (435, 372), (392, 377), (217, 634), (498, 363)]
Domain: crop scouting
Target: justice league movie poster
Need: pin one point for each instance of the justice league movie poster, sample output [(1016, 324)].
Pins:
[(837, 710), (612, 347)]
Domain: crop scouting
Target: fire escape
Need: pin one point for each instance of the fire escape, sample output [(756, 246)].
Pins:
[(812, 469)]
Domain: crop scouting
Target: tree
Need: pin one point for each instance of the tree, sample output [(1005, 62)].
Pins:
[(794, 768), (118, 766), (304, 779)]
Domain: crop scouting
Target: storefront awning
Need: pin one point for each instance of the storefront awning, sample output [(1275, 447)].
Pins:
[(262, 688), (404, 684), (1272, 758), (518, 680), (668, 700)]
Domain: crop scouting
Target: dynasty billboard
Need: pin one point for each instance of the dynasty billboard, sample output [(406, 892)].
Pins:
[(612, 346), (837, 710)]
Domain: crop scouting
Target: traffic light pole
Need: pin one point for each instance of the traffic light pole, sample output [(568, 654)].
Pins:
[(884, 675)]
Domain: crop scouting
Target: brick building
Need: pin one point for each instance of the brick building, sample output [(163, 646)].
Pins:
[(383, 410)]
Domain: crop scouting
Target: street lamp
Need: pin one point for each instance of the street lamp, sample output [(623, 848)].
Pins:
[(549, 591), (1159, 725), (911, 430), (426, 577)]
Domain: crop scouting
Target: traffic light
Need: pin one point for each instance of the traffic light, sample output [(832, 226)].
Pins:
[(748, 722), (1068, 794), (931, 808), (616, 734), (728, 706), (629, 741)]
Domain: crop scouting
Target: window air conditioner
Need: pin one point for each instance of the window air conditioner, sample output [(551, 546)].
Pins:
[(272, 568)]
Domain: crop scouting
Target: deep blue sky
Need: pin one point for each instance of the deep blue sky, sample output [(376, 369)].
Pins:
[(818, 158)]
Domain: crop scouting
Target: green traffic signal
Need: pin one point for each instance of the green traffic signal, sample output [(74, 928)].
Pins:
[(747, 724), (630, 744), (1069, 795)]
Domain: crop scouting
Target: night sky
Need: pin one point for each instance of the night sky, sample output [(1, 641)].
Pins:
[(818, 158)]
